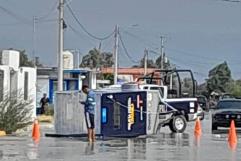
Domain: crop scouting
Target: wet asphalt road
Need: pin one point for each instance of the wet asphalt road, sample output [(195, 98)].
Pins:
[(162, 147)]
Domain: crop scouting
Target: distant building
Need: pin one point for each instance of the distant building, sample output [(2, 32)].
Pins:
[(127, 74), (73, 77), (73, 80)]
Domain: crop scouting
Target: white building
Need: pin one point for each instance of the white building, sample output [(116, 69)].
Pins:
[(20, 81)]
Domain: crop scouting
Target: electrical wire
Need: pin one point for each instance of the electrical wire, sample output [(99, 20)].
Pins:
[(193, 55), (48, 20), (178, 61), (194, 62), (15, 16), (12, 24), (84, 29), (52, 10), (207, 59), (126, 51), (78, 33), (173, 109), (107, 44), (143, 41)]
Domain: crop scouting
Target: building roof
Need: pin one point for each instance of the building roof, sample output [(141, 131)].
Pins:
[(130, 71)]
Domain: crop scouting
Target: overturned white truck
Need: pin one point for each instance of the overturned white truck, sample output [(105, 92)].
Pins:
[(132, 110)]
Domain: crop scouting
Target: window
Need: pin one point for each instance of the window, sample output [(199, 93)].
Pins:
[(72, 85), (1, 84), (25, 85), (116, 114), (229, 104)]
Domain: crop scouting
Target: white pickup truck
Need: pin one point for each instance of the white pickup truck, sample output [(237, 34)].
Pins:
[(183, 109)]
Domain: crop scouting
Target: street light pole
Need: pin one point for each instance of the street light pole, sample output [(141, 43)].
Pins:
[(61, 45), (116, 54), (34, 40), (162, 52), (145, 61)]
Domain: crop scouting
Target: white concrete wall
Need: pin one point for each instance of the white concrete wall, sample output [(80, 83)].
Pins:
[(69, 113), (6, 80), (31, 85), (92, 80)]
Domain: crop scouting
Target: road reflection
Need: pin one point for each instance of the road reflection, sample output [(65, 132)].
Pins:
[(142, 148), (89, 148)]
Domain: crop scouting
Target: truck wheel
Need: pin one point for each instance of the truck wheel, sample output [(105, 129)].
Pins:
[(178, 124)]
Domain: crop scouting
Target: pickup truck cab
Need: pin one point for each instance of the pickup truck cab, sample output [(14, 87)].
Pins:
[(187, 106)]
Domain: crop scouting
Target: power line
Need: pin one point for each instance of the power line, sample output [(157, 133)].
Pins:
[(143, 41), (78, 33), (106, 44), (12, 24), (15, 16), (85, 30), (193, 61), (191, 54), (126, 51), (48, 20), (52, 10)]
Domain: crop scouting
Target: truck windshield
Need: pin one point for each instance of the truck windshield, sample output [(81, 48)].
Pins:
[(229, 104)]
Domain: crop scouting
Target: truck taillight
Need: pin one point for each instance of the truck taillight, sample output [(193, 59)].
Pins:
[(193, 106)]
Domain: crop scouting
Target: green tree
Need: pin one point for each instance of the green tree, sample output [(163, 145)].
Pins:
[(95, 59), (37, 62), (24, 60), (150, 64), (234, 88), (219, 77), (166, 64), (202, 90), (109, 76)]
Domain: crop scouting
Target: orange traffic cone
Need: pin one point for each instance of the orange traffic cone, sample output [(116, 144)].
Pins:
[(198, 128), (232, 136), (36, 131)]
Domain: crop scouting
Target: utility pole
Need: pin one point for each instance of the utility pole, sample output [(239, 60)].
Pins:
[(34, 38), (162, 52), (78, 57), (145, 61), (61, 45), (116, 54)]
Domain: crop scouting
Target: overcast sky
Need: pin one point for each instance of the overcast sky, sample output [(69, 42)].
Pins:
[(199, 33)]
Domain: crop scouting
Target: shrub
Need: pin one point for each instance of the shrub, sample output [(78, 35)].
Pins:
[(15, 113)]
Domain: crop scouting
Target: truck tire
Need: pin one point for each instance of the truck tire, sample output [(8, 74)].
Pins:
[(178, 124)]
